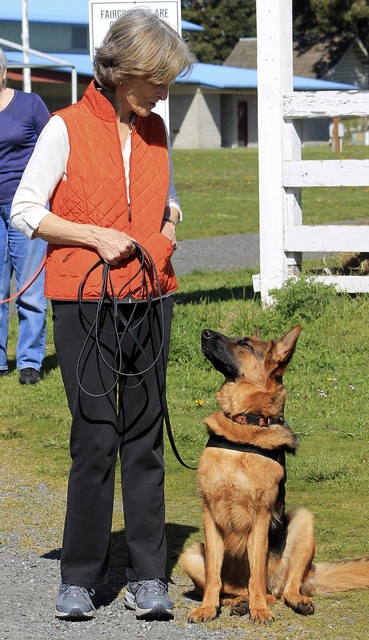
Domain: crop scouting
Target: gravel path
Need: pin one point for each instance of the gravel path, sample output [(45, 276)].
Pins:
[(217, 254), (222, 253), (30, 575), (28, 585)]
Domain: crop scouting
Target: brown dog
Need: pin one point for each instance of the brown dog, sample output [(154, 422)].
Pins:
[(255, 553)]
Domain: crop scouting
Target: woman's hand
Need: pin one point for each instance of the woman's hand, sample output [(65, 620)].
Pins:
[(168, 230), (114, 246), (111, 245)]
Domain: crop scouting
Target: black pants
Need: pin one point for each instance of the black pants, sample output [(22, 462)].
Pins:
[(110, 418)]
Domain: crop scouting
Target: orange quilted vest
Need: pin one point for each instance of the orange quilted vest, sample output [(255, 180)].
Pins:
[(95, 192)]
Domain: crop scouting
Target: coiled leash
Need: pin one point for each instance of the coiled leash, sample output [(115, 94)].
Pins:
[(107, 295)]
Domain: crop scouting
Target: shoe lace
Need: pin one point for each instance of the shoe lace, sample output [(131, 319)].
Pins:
[(156, 585), (74, 589)]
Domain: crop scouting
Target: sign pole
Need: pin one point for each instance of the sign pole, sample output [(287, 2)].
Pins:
[(25, 42)]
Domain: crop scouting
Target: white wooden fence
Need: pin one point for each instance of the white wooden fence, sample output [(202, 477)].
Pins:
[(282, 173)]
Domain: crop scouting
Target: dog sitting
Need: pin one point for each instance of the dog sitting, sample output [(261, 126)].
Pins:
[(254, 552)]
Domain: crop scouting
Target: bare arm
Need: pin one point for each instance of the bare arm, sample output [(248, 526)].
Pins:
[(111, 245)]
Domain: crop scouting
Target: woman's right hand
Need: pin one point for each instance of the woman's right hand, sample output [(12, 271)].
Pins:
[(114, 246), (111, 245)]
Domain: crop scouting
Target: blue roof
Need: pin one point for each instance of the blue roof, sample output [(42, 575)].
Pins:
[(82, 62), (66, 12), (223, 77), (212, 76)]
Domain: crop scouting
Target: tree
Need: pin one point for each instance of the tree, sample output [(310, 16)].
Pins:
[(332, 17), (224, 22)]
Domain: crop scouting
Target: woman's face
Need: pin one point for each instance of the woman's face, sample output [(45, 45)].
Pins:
[(140, 95)]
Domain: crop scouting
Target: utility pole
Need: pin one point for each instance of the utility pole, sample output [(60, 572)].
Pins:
[(25, 43)]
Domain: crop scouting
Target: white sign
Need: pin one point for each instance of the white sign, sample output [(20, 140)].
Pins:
[(103, 14)]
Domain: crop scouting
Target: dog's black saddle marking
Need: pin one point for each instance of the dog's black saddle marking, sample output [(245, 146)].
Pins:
[(221, 442)]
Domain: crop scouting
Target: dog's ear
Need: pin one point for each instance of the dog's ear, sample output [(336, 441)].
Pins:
[(257, 332), (285, 347)]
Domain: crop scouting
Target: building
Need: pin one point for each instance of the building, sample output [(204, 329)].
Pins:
[(214, 106), (340, 60)]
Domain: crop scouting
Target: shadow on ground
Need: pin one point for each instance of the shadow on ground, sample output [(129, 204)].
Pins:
[(176, 538), (222, 294)]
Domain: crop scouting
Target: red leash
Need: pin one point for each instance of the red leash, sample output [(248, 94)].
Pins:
[(19, 293)]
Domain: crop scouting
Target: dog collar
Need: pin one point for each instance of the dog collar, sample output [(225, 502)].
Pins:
[(251, 418)]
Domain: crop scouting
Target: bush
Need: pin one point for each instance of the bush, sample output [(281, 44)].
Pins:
[(302, 299)]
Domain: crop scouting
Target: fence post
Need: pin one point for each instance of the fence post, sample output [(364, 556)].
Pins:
[(275, 77)]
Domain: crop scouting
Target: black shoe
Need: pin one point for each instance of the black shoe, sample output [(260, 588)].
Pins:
[(3, 372), (29, 376)]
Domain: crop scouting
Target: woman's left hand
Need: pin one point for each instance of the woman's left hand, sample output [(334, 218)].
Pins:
[(169, 231)]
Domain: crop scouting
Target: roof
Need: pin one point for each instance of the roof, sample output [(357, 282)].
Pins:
[(74, 12), (312, 57), (315, 57), (210, 76), (244, 54), (82, 62), (227, 77)]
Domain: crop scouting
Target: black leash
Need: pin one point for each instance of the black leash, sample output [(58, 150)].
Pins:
[(149, 279), (170, 433)]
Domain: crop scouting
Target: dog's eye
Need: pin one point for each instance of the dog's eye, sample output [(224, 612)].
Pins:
[(245, 342)]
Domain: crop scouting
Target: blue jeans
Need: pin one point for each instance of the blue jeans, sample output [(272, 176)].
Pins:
[(22, 256)]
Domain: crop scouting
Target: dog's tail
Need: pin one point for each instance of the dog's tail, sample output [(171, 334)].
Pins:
[(346, 575), (192, 561), (323, 577)]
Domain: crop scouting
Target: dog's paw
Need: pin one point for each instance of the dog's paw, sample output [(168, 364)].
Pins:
[(300, 604), (305, 607), (240, 608), (203, 614), (262, 615)]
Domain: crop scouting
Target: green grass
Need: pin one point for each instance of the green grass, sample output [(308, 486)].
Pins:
[(218, 190)]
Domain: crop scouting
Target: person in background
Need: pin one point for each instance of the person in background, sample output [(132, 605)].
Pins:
[(22, 118), (105, 164)]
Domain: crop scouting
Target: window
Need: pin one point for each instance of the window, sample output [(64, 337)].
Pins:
[(79, 39)]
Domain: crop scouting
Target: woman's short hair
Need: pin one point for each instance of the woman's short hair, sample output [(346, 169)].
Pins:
[(142, 45), (3, 60)]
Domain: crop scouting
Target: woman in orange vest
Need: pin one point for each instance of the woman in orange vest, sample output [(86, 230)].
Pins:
[(105, 165)]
